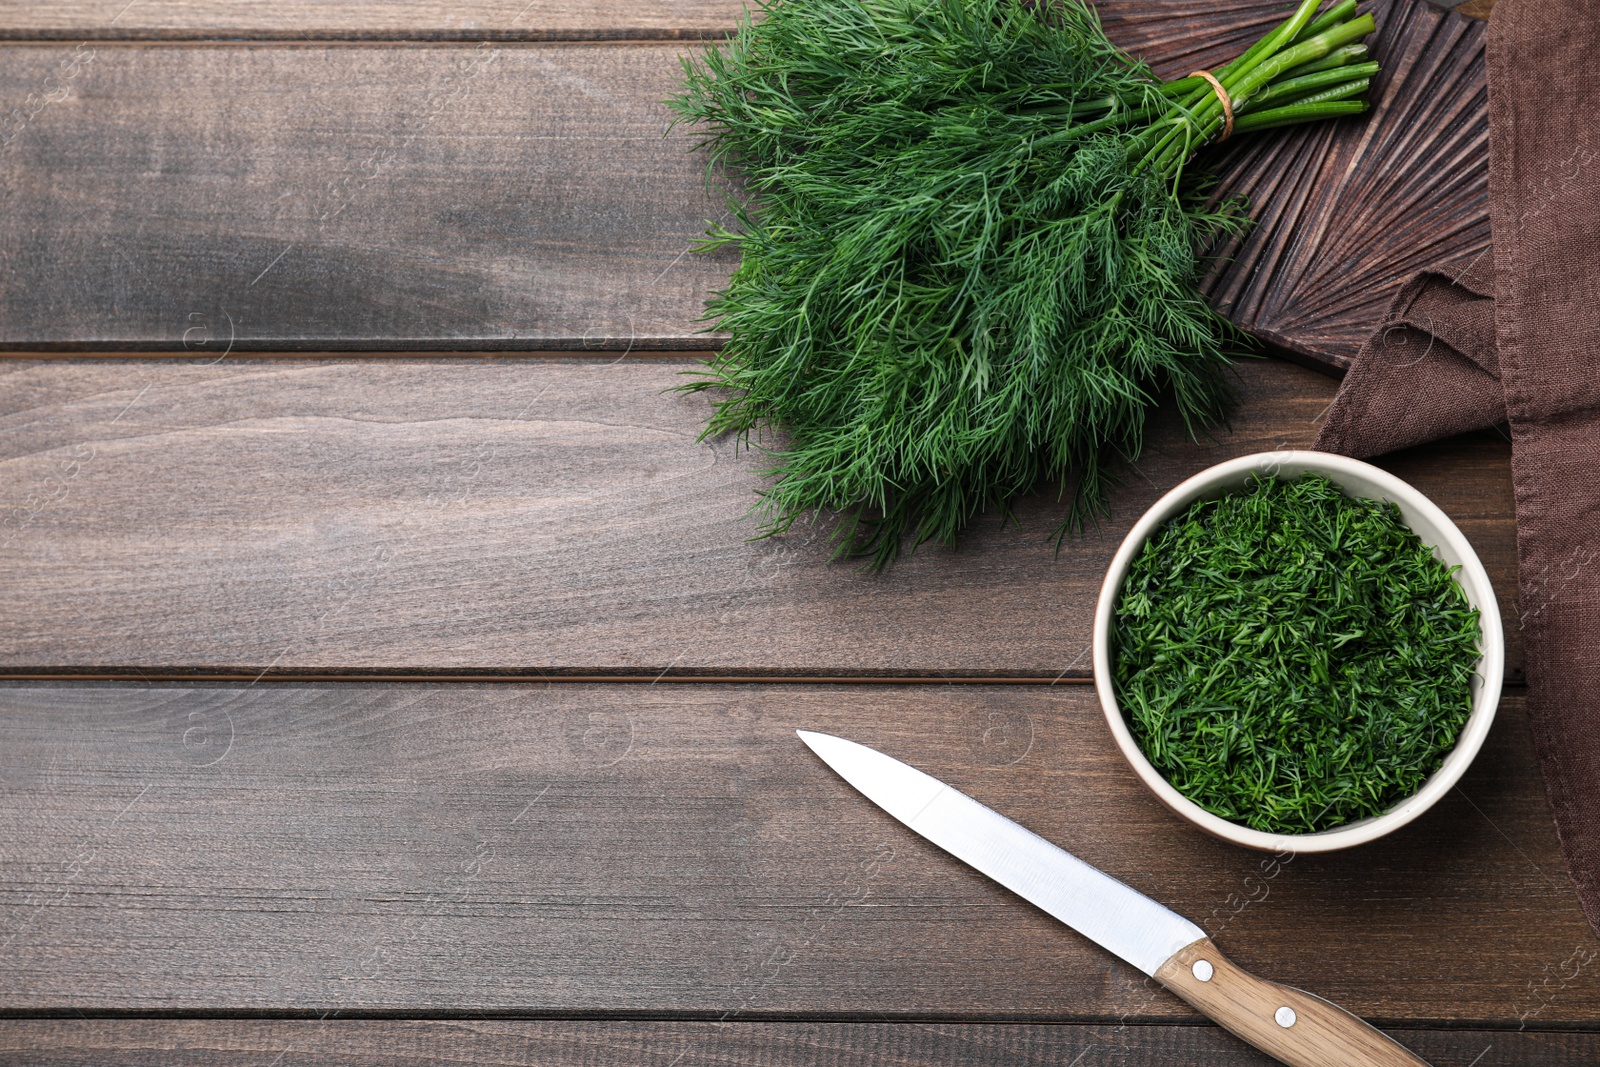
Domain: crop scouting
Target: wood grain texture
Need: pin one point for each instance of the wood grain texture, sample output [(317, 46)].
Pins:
[(1347, 211), (531, 517), (436, 19), (524, 196), (391, 20), (202, 199), (574, 848), (381, 1043), (419, 19)]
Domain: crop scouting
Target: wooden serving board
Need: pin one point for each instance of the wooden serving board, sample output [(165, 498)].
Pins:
[(1346, 211)]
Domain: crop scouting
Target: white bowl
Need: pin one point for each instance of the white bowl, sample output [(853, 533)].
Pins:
[(1430, 524)]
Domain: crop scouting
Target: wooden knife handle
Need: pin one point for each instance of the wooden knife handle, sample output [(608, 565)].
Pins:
[(1300, 1029)]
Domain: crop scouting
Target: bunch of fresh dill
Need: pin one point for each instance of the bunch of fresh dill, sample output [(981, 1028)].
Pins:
[(1293, 659), (970, 245)]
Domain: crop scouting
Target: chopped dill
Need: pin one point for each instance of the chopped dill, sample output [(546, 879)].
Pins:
[(1291, 658)]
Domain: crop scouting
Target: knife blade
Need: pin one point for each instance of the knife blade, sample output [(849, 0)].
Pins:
[(1296, 1027)]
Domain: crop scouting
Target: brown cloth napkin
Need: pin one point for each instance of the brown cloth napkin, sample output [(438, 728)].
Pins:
[(1517, 341)]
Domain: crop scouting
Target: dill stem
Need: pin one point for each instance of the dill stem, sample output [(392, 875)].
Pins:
[(1199, 89), (1125, 118), (1195, 119), (1341, 56), (1294, 87)]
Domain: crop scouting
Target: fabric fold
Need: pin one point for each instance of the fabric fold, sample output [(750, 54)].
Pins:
[(1520, 344), (1429, 372)]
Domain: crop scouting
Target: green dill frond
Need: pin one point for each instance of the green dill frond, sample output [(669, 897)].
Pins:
[(966, 268)]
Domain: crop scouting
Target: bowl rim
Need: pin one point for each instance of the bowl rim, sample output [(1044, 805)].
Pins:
[(1471, 575)]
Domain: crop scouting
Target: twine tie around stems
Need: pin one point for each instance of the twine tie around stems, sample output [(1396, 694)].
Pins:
[(1222, 95)]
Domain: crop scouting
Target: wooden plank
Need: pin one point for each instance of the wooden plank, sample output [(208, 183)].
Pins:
[(202, 199), (392, 20), (508, 196), (453, 516), (387, 19), (556, 1043), (579, 848)]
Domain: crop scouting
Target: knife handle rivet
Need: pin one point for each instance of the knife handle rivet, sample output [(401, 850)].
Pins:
[(1203, 970), (1285, 1016)]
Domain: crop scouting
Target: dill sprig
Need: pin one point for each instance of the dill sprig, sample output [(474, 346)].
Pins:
[(1293, 659), (970, 245)]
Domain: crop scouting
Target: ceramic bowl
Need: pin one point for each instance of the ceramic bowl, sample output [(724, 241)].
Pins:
[(1430, 524)]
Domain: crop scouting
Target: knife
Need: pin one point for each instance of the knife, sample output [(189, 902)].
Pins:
[(1296, 1027)]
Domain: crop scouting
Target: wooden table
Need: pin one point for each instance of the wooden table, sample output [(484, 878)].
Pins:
[(426, 702)]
